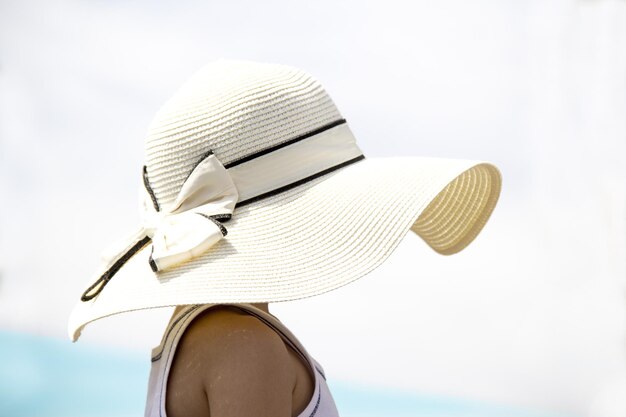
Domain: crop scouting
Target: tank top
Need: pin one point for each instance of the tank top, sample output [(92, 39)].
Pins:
[(321, 403)]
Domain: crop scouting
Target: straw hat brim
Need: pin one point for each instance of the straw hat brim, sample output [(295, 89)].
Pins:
[(315, 237)]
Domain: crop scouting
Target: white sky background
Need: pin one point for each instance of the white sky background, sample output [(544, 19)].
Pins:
[(532, 313)]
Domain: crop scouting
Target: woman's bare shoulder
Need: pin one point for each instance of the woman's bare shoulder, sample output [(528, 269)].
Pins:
[(236, 362), (223, 330)]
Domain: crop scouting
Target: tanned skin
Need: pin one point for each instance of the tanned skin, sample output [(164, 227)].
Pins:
[(230, 364)]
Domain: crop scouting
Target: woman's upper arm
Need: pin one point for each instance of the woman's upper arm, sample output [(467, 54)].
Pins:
[(250, 373)]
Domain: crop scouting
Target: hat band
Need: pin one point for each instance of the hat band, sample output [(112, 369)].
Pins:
[(295, 162), (257, 176)]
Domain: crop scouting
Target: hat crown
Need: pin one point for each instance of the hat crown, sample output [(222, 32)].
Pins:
[(234, 108)]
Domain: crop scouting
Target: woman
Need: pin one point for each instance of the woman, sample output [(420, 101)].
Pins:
[(255, 191)]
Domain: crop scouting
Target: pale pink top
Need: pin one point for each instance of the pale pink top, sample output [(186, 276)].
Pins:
[(320, 405)]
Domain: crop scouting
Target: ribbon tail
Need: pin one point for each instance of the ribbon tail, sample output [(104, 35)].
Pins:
[(115, 261)]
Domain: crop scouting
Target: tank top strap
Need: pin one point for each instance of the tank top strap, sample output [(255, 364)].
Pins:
[(173, 327), (161, 358)]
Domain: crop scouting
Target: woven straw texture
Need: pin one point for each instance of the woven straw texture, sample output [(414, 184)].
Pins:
[(302, 242), (235, 108)]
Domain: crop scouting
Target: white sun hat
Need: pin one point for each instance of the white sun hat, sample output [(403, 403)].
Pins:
[(256, 191)]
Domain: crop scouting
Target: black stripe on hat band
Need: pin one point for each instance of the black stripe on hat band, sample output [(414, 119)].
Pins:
[(299, 182), (287, 143)]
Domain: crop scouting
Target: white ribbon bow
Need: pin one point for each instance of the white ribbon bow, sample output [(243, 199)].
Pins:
[(184, 230), (191, 224)]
